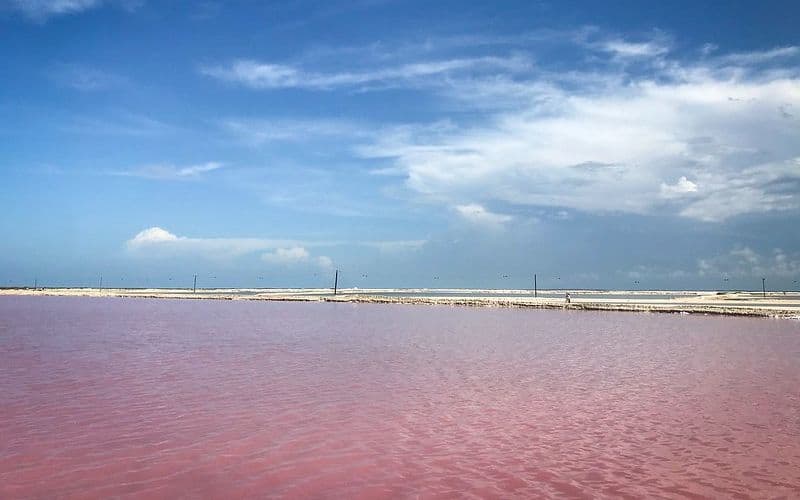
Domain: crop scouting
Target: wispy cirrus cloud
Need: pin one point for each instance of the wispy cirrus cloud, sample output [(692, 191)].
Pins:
[(395, 245), (85, 78), (257, 132), (170, 172), (121, 123), (652, 46), (756, 57), (263, 75), (41, 10)]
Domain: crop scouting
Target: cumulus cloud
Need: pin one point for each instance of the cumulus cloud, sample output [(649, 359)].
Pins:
[(150, 236)]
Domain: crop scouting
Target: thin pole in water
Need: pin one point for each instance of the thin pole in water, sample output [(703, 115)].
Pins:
[(194, 285), (336, 282), (35, 283), (763, 287), (101, 282), (535, 291)]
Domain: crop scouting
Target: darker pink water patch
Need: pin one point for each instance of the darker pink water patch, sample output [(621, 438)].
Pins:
[(167, 398)]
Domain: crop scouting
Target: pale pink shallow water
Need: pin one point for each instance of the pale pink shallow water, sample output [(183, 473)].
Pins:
[(168, 398)]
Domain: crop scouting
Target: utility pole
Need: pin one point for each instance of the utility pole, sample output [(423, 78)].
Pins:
[(763, 287), (336, 282), (535, 291), (194, 285)]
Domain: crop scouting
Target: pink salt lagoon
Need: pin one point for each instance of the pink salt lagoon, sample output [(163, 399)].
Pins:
[(148, 398)]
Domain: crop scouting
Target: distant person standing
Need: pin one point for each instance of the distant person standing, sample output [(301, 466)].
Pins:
[(567, 297)]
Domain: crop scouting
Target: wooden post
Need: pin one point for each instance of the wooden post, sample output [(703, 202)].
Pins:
[(535, 291), (763, 287), (336, 282), (35, 283), (194, 285), (101, 282)]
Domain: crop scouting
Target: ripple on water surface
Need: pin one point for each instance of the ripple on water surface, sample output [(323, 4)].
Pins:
[(162, 398)]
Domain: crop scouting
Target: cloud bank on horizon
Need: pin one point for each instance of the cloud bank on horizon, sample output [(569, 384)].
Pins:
[(418, 142)]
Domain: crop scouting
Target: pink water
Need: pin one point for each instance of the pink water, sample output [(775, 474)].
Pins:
[(169, 398)]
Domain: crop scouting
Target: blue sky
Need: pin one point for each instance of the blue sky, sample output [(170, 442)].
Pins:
[(616, 144)]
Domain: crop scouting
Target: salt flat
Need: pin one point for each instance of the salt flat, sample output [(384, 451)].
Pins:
[(742, 303)]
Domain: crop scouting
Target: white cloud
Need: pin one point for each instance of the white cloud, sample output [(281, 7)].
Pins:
[(769, 187), (756, 57), (616, 144), (625, 49), (150, 236), (296, 255), (708, 139), (477, 214), (260, 75), (158, 242), (290, 255), (170, 172)]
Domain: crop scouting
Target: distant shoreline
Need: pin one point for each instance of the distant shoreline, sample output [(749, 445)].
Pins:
[(752, 304)]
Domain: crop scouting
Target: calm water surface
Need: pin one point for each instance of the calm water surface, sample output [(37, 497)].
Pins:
[(169, 398)]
